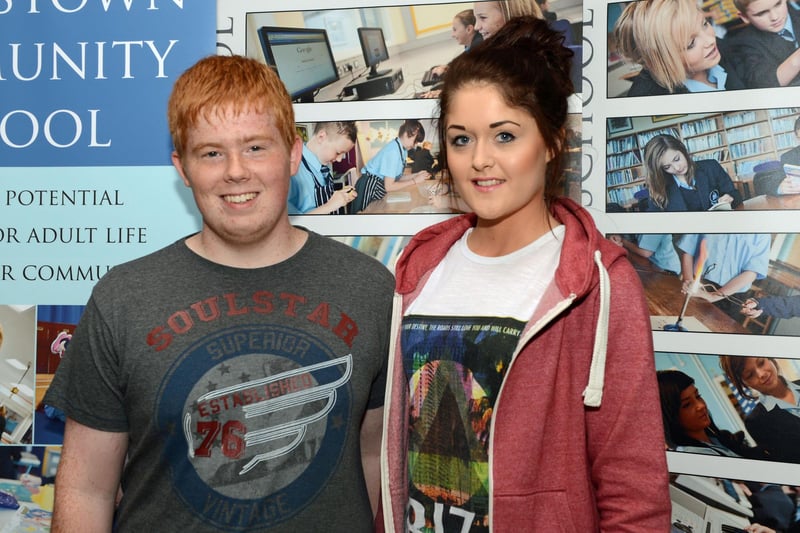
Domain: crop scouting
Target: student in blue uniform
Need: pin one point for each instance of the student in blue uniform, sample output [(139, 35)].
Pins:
[(384, 172), (311, 189)]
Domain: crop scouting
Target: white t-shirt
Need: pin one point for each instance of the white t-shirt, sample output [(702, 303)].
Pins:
[(467, 284), (457, 340)]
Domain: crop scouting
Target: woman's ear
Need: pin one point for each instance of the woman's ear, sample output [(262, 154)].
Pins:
[(560, 140)]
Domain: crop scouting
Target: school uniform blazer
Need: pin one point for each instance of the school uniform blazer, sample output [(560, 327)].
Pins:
[(645, 85), (708, 176), (792, 157), (759, 53), (777, 431)]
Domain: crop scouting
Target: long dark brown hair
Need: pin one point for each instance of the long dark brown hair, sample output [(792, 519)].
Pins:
[(527, 62)]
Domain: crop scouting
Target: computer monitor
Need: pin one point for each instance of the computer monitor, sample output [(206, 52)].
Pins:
[(373, 45), (302, 57)]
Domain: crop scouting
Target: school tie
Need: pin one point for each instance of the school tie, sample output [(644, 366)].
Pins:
[(789, 36), (325, 192)]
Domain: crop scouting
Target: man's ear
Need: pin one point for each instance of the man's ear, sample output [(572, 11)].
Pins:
[(743, 17), (178, 164), (295, 155)]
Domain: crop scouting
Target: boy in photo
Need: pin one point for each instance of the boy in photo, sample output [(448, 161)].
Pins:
[(311, 190), (766, 50)]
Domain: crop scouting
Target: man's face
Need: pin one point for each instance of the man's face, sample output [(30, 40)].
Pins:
[(238, 167), (767, 15)]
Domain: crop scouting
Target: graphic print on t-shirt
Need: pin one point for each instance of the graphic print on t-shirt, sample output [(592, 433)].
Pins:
[(454, 366), (263, 412)]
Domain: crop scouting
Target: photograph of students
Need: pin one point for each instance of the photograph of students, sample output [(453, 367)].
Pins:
[(688, 426), (17, 373), (561, 329), (733, 262), (311, 190), (675, 44), (422, 158), (678, 182), (775, 422), (384, 171), (464, 33), (775, 306), (714, 504), (491, 16), (657, 248), (766, 48)]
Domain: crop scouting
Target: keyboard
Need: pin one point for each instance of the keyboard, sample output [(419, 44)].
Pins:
[(429, 78)]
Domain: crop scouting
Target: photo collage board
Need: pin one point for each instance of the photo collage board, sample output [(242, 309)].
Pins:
[(700, 187), (720, 265)]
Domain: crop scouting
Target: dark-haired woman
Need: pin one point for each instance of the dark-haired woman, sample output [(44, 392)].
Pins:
[(521, 392), (688, 426)]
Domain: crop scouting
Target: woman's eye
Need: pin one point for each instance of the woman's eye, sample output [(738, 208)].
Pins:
[(691, 45), (459, 140), (505, 137)]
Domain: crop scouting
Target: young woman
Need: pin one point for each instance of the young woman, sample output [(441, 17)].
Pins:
[(521, 393), (775, 422), (688, 426), (676, 46), (676, 182)]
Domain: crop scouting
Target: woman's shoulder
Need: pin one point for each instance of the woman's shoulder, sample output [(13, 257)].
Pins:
[(643, 84)]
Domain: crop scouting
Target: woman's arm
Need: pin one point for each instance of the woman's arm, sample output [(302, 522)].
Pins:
[(625, 434)]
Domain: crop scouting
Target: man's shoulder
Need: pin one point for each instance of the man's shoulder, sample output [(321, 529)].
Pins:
[(347, 257), (146, 267), (745, 36)]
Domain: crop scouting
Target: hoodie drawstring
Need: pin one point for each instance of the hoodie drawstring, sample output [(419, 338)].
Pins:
[(593, 393)]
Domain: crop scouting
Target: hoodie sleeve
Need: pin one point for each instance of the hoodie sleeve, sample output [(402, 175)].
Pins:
[(625, 434)]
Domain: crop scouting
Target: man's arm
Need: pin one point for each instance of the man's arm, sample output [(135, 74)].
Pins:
[(88, 479), (371, 430)]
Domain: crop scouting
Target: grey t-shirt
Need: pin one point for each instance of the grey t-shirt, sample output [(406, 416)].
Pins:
[(242, 390)]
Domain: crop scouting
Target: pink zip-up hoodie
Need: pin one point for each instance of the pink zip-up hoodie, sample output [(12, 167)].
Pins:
[(576, 442)]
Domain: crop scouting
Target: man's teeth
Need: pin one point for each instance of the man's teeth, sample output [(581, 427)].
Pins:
[(239, 198)]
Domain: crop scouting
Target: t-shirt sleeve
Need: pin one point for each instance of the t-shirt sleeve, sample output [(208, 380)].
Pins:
[(86, 385)]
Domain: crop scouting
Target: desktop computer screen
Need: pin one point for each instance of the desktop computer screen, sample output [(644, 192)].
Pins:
[(374, 48), (302, 57)]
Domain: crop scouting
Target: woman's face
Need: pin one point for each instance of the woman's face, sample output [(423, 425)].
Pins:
[(693, 412), (761, 374), (488, 18), (701, 53), (674, 162), (497, 156), (462, 34)]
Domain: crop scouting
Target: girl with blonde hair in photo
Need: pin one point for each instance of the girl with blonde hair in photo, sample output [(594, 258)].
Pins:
[(675, 44), (491, 16)]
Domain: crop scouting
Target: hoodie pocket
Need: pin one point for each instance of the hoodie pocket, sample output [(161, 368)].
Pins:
[(540, 511)]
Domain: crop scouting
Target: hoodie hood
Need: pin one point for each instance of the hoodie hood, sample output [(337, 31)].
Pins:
[(583, 265)]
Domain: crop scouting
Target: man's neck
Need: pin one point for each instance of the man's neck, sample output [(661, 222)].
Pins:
[(276, 248)]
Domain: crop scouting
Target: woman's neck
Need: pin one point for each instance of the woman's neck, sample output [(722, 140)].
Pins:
[(502, 237)]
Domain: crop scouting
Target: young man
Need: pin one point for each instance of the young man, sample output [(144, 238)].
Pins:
[(766, 50), (311, 190), (232, 381)]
